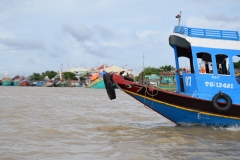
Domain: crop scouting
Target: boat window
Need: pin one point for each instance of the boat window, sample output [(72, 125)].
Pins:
[(204, 63), (184, 64), (222, 62), (236, 65)]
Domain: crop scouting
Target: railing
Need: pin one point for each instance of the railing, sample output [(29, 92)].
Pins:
[(207, 33)]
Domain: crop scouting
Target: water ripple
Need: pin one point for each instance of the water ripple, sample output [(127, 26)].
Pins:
[(78, 123)]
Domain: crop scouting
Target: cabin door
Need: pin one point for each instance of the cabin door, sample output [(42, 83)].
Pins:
[(186, 82)]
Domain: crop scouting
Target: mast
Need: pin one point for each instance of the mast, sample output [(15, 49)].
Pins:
[(5, 73), (179, 18), (60, 74), (143, 74)]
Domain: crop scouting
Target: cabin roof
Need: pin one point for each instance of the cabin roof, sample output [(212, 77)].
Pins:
[(186, 37)]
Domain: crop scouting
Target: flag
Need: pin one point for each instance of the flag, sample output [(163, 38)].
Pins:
[(178, 16)]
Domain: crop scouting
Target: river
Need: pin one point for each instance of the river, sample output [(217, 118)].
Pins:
[(79, 123)]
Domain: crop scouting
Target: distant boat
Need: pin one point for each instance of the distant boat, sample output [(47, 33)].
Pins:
[(97, 82), (6, 81), (24, 82), (38, 83), (61, 84), (47, 82), (34, 83), (58, 81), (16, 80)]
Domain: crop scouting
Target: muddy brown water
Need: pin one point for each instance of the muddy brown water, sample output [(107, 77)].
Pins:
[(80, 123)]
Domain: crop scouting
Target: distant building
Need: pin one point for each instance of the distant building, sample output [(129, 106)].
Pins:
[(164, 78), (80, 72), (152, 77), (167, 78)]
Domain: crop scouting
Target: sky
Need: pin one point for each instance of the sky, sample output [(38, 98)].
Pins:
[(41, 35)]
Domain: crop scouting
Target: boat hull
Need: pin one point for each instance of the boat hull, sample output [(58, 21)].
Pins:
[(39, 84), (24, 83), (184, 116), (99, 85), (6, 83), (15, 83), (61, 84), (180, 109), (48, 84)]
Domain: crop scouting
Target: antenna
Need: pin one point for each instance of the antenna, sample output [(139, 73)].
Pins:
[(179, 18), (143, 76), (143, 61)]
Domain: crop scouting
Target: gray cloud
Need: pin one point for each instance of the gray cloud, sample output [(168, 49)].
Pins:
[(98, 51), (23, 43), (104, 32), (81, 32), (56, 52), (93, 41)]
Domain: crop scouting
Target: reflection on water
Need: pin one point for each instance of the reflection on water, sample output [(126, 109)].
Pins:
[(78, 123)]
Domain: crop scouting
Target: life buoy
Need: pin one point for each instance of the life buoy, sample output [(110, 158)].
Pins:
[(224, 96), (128, 78), (109, 86)]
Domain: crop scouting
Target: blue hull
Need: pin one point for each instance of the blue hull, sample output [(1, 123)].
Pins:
[(6, 83), (185, 116), (99, 85), (15, 83)]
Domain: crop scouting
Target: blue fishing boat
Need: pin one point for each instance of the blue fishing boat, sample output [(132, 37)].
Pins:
[(207, 95), (38, 83)]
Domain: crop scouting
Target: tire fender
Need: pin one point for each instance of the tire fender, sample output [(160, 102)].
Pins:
[(109, 86), (224, 96)]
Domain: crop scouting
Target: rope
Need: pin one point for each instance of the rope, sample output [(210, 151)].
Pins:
[(152, 92), (144, 98), (146, 91)]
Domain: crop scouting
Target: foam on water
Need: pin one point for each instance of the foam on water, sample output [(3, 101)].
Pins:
[(235, 128)]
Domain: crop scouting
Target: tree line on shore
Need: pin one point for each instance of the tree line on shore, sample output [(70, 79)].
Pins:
[(72, 76), (154, 70), (51, 74), (147, 71)]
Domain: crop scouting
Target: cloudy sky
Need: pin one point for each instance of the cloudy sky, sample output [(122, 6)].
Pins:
[(40, 35)]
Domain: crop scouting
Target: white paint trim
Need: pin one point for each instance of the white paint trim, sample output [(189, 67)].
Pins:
[(210, 43)]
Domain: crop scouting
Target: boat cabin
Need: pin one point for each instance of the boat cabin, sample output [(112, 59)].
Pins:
[(212, 57)]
